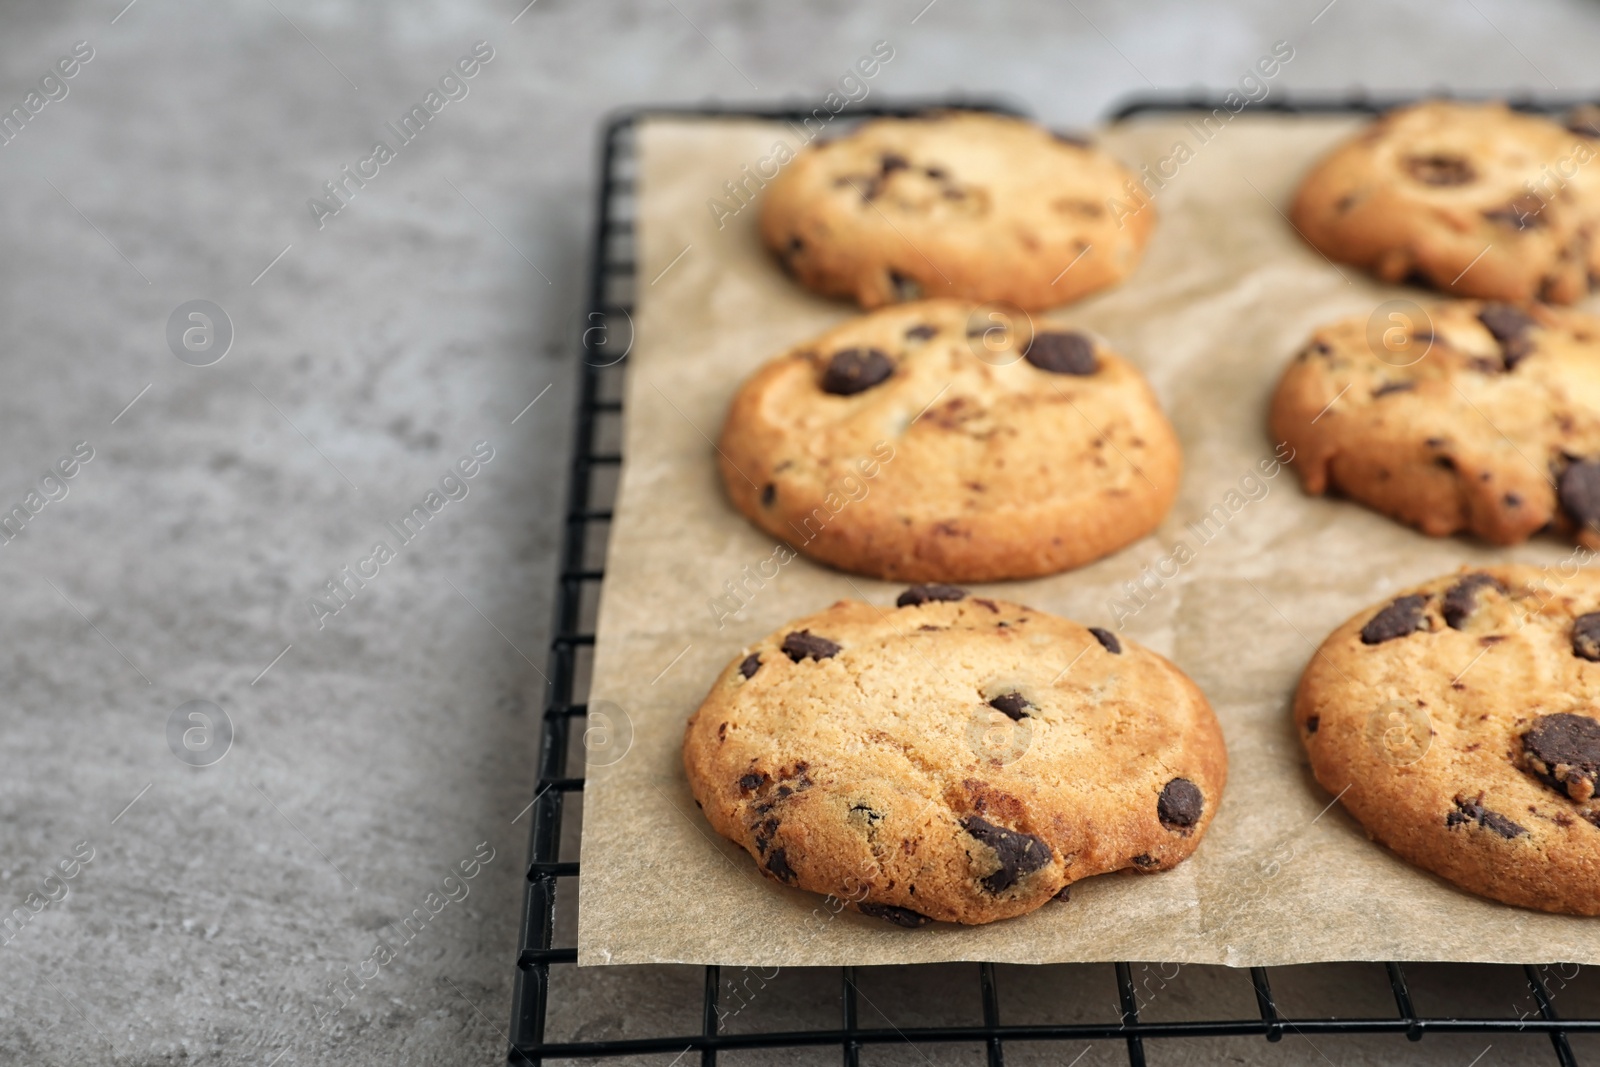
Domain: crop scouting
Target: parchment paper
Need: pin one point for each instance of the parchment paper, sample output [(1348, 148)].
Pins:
[(1226, 294)]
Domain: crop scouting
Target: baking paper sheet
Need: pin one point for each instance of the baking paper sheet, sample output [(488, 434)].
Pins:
[(1226, 294)]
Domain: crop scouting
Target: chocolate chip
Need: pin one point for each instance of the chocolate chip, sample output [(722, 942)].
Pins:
[(1563, 752), (1107, 639), (1062, 353), (769, 493), (1505, 322), (854, 370), (1578, 488), (1446, 462), (906, 287), (751, 664), (922, 331), (1402, 617), (922, 594), (893, 161), (1064, 895), (899, 916), (1586, 637), (778, 864), (1441, 169), (1018, 853), (1144, 859), (1583, 120), (1180, 804), (765, 833), (803, 644), (751, 782), (1393, 387), (1012, 705), (1460, 598), (1523, 212), (936, 173), (1472, 811), (872, 817), (1511, 500), (1312, 722)]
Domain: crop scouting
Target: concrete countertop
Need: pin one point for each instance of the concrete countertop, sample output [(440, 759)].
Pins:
[(185, 505)]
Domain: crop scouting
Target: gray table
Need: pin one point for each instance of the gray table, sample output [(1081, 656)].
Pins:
[(377, 748)]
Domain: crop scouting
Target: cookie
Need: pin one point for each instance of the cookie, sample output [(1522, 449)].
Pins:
[(1465, 416), (1458, 723), (929, 442), (953, 758), (1474, 199), (956, 204)]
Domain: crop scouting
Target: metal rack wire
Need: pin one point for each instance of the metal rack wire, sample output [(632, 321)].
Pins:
[(608, 328)]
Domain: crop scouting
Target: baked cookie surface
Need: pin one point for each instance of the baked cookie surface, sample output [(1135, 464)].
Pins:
[(955, 204), (1460, 724), (1474, 199), (953, 757), (1470, 416), (924, 442)]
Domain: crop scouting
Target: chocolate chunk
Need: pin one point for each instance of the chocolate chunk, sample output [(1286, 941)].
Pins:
[(1578, 489), (1064, 895), (751, 664), (1312, 722), (1402, 617), (1461, 598), (893, 161), (804, 644), (855, 370), (1107, 639), (1506, 322), (922, 594), (922, 331), (1393, 387), (899, 916), (1563, 752), (1180, 804), (769, 493), (1062, 353), (1524, 212), (1472, 811), (751, 782), (1586, 636), (1441, 169), (778, 864), (1018, 853), (764, 834), (1012, 705)]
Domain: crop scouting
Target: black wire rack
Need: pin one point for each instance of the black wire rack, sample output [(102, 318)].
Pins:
[(542, 963)]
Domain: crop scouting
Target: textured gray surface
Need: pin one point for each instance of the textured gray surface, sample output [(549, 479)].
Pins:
[(382, 749)]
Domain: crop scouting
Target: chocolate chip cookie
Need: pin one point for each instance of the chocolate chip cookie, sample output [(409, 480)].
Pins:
[(1460, 724), (1461, 416), (953, 758), (940, 441), (1474, 199), (956, 204)]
